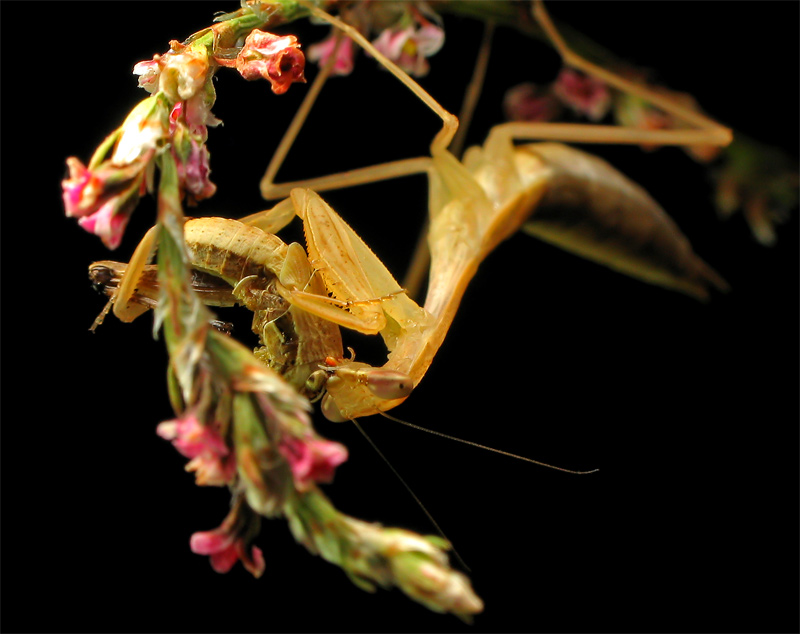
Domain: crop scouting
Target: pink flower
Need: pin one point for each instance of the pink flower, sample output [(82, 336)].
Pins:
[(77, 188), (231, 541), (225, 550), (278, 59), (106, 224), (210, 456), (180, 73), (149, 72), (321, 51), (188, 130), (196, 113), (193, 171), (105, 194), (104, 198), (312, 459), (528, 102), (409, 46), (583, 94)]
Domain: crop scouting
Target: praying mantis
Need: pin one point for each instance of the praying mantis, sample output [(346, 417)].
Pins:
[(344, 211), (473, 207)]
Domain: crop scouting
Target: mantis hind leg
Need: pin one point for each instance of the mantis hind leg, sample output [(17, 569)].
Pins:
[(268, 186), (373, 173), (705, 131)]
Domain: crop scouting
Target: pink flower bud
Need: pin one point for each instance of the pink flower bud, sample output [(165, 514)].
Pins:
[(188, 131), (585, 95), (225, 549), (104, 198), (312, 459), (231, 542), (105, 223), (409, 47), (321, 51), (528, 102), (211, 460), (148, 71), (74, 186), (183, 71)]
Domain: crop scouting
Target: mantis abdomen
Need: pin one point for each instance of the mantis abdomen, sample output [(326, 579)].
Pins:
[(592, 210), (232, 250)]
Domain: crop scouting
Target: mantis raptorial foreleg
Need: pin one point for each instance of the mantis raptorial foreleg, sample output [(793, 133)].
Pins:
[(357, 280), (124, 309)]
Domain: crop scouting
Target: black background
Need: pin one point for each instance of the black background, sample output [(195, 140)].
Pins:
[(688, 410)]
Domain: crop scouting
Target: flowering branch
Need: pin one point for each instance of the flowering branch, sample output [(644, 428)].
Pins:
[(373, 555), (239, 423), (177, 115), (278, 456)]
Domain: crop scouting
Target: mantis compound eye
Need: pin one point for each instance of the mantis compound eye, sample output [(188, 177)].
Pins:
[(388, 384), (315, 382)]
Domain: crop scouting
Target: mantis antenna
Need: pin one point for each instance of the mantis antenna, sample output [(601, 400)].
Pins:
[(492, 449), (461, 440), (413, 495)]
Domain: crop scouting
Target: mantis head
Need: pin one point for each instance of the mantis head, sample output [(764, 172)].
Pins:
[(357, 389)]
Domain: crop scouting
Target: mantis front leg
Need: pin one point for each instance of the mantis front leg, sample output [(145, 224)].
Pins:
[(125, 308), (364, 294)]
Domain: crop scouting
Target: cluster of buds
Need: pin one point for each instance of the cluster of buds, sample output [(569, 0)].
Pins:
[(635, 112), (266, 451), (583, 95), (407, 34), (373, 555), (175, 118), (232, 541), (759, 181), (103, 195), (590, 98)]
